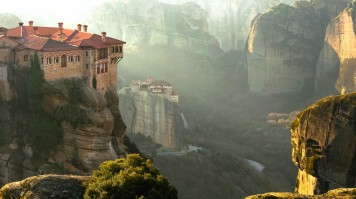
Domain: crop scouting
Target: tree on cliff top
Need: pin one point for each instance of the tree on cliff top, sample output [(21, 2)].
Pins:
[(127, 178)]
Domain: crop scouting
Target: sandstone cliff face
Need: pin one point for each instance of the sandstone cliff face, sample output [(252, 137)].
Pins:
[(335, 69), (324, 145), (284, 44), (152, 115), (230, 20), (91, 125), (150, 22), (282, 50), (333, 194), (46, 186)]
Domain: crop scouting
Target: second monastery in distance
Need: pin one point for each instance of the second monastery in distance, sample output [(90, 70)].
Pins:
[(64, 53)]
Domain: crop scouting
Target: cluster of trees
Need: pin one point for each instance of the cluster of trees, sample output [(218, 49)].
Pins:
[(127, 178)]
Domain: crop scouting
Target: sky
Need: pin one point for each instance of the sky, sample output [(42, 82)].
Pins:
[(49, 13)]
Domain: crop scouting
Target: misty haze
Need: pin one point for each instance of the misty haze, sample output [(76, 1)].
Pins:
[(220, 99)]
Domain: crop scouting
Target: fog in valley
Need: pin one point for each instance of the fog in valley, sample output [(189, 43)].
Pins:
[(211, 51)]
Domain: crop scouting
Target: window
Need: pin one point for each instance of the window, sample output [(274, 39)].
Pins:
[(56, 60), (49, 60), (103, 53), (106, 67), (112, 49), (63, 61), (120, 49), (25, 58), (87, 53), (77, 58), (87, 66), (71, 58), (116, 49), (98, 69), (102, 69)]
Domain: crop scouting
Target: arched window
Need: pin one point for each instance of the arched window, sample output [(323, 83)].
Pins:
[(25, 58), (63, 61), (102, 70), (77, 58), (106, 67), (56, 60), (98, 69), (49, 60)]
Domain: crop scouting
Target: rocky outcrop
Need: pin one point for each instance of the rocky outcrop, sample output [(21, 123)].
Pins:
[(282, 50), (324, 145), (152, 115), (150, 22), (335, 69), (91, 132), (333, 194), (46, 186), (284, 45), (75, 130)]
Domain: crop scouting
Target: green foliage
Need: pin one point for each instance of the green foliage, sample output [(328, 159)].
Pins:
[(94, 82), (33, 87), (44, 131), (73, 114), (127, 178)]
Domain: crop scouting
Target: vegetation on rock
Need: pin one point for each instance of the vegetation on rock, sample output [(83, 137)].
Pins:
[(126, 178), (44, 132)]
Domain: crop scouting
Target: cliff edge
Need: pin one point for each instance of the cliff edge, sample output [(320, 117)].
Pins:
[(323, 141), (56, 127), (324, 145)]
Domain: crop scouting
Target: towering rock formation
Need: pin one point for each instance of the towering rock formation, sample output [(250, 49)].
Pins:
[(149, 22), (335, 69), (153, 114), (91, 129), (284, 44), (324, 145), (282, 50), (324, 150), (230, 20)]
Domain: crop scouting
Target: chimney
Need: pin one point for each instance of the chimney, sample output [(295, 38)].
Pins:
[(30, 23), (36, 30), (60, 34), (60, 25), (103, 34), (79, 26), (21, 29), (85, 27)]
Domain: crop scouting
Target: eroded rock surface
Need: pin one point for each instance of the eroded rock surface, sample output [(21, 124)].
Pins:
[(46, 186), (324, 145), (333, 194), (152, 115), (335, 69), (284, 45), (150, 22), (91, 128)]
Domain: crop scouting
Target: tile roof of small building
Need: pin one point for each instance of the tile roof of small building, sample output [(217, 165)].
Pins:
[(45, 44), (50, 39)]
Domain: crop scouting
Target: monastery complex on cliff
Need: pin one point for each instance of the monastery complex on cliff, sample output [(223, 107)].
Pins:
[(64, 53)]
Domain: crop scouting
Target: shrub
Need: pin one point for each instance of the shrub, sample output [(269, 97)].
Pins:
[(127, 178)]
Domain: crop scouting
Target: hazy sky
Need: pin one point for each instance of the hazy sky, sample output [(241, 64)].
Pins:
[(46, 12)]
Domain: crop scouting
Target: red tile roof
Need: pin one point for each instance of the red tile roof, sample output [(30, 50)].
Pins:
[(48, 38), (45, 44)]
